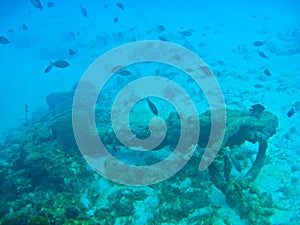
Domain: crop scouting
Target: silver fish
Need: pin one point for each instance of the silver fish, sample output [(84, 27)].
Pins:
[(234, 162)]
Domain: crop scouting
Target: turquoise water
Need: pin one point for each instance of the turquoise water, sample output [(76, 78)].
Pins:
[(252, 49)]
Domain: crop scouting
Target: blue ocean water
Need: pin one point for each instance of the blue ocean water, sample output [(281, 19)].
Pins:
[(252, 49)]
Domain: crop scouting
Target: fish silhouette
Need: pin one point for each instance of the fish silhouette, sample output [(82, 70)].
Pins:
[(48, 68), (120, 5), (152, 107), (256, 110), (290, 113), (36, 4), (162, 38), (267, 72), (161, 28), (263, 55), (258, 43), (186, 32), (24, 27), (60, 63), (4, 40), (72, 52), (124, 72), (50, 4), (83, 11)]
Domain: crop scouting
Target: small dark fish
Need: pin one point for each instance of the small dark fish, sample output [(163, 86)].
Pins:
[(36, 4), (83, 11), (120, 5), (221, 63), (104, 41), (4, 40), (48, 68), (290, 113), (124, 72), (256, 109), (186, 33), (115, 69), (50, 4), (294, 32), (258, 43), (72, 52), (161, 28), (206, 70), (258, 85), (24, 27), (267, 72), (10, 30), (162, 38), (116, 19), (263, 55), (152, 107), (60, 63)]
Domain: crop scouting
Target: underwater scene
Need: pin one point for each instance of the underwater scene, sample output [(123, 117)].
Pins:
[(150, 112)]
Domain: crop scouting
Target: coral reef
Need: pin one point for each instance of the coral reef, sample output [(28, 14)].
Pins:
[(46, 181)]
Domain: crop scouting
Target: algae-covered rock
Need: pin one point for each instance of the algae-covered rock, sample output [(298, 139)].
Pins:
[(50, 177), (16, 218), (82, 222), (43, 132), (72, 212), (62, 130), (40, 220), (242, 127)]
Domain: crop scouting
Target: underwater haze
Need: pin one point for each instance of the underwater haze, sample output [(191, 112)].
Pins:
[(246, 56)]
